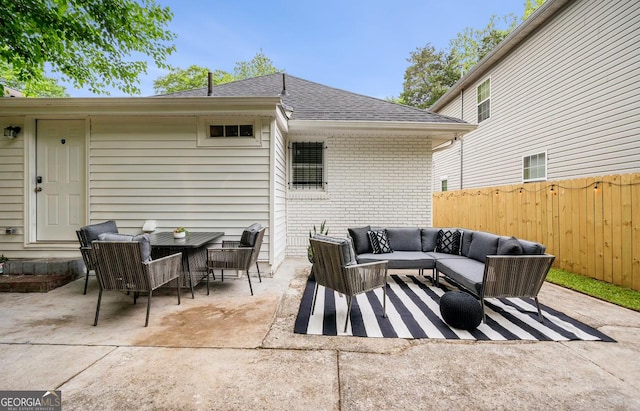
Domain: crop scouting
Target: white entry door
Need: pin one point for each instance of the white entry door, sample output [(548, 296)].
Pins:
[(60, 179)]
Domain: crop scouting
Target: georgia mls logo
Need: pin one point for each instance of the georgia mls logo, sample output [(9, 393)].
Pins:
[(30, 400)]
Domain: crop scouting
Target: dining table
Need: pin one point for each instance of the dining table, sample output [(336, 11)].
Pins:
[(194, 253)]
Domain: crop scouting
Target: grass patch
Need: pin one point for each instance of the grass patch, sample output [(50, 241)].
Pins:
[(615, 294)]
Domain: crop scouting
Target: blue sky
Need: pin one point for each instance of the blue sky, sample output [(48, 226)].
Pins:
[(359, 46)]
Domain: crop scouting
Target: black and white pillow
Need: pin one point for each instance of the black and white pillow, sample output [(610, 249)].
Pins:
[(448, 242), (379, 241)]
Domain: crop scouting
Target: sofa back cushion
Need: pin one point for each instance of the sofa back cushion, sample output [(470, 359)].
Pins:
[(467, 237), (482, 245), (360, 238), (404, 239), (429, 238)]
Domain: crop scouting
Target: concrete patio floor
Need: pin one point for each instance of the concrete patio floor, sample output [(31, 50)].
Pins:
[(232, 351)]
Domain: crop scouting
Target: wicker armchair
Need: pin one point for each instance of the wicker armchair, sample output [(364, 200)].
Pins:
[(120, 267), (515, 276), (350, 280), (86, 235), (237, 255)]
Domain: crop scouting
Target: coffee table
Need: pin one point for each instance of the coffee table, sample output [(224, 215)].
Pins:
[(194, 253)]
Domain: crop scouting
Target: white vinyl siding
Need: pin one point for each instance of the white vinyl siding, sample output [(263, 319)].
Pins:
[(279, 226), (12, 188), (571, 89), (151, 168)]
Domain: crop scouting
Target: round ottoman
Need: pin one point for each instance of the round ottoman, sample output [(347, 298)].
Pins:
[(460, 310)]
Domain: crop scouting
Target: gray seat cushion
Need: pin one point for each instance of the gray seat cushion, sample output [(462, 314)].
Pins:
[(142, 239), (401, 259), (472, 270), (346, 246)]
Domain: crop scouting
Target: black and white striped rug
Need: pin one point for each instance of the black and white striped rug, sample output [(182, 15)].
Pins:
[(413, 312)]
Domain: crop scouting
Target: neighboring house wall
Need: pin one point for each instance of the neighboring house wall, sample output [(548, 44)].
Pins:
[(151, 168), (379, 181), (570, 90)]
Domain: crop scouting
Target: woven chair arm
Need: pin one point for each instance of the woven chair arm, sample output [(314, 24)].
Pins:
[(365, 277), (230, 244), (237, 258), (515, 276), (163, 270)]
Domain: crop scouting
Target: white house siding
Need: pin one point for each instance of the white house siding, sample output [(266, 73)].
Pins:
[(279, 220), (570, 89), (383, 181), (143, 168), (12, 188)]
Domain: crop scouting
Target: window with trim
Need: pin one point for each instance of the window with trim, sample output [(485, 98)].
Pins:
[(443, 185), (534, 167), (230, 130), (484, 100), (307, 166)]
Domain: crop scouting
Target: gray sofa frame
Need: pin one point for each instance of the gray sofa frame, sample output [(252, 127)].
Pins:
[(478, 269)]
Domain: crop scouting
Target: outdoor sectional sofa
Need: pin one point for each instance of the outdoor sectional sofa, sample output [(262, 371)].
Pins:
[(484, 264)]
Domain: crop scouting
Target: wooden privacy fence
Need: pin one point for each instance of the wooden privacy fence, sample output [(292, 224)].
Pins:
[(591, 225)]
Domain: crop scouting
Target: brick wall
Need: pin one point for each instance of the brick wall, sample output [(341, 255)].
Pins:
[(384, 181)]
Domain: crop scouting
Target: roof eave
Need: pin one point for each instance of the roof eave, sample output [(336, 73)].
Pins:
[(538, 18)]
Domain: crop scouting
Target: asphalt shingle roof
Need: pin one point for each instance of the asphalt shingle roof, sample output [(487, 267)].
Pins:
[(313, 101)]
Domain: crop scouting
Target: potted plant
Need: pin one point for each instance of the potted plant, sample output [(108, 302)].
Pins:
[(3, 260), (323, 230), (180, 232)]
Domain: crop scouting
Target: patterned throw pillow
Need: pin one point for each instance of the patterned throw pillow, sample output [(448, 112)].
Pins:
[(379, 242), (448, 242)]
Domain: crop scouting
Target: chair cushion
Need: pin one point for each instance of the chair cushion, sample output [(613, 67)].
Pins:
[(142, 239), (360, 238), (429, 239), (346, 245), (94, 230), (466, 272), (404, 239), (379, 241), (467, 237), (482, 245), (448, 241), (509, 246), (531, 248), (249, 235)]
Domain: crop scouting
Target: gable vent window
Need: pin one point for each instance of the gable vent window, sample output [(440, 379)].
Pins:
[(307, 165), (484, 100), (232, 130)]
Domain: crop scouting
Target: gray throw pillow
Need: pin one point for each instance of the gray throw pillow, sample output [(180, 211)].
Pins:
[(429, 238), (142, 239), (404, 239), (509, 246), (360, 238), (249, 235)]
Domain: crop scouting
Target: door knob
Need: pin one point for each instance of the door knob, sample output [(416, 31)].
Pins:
[(38, 189)]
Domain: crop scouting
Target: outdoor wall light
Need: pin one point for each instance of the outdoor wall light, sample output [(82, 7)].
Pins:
[(11, 132)]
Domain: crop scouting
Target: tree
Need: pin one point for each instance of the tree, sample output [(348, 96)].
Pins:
[(89, 42), (190, 78), (41, 87), (530, 7), (259, 65), (428, 77), (471, 45), (197, 77)]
